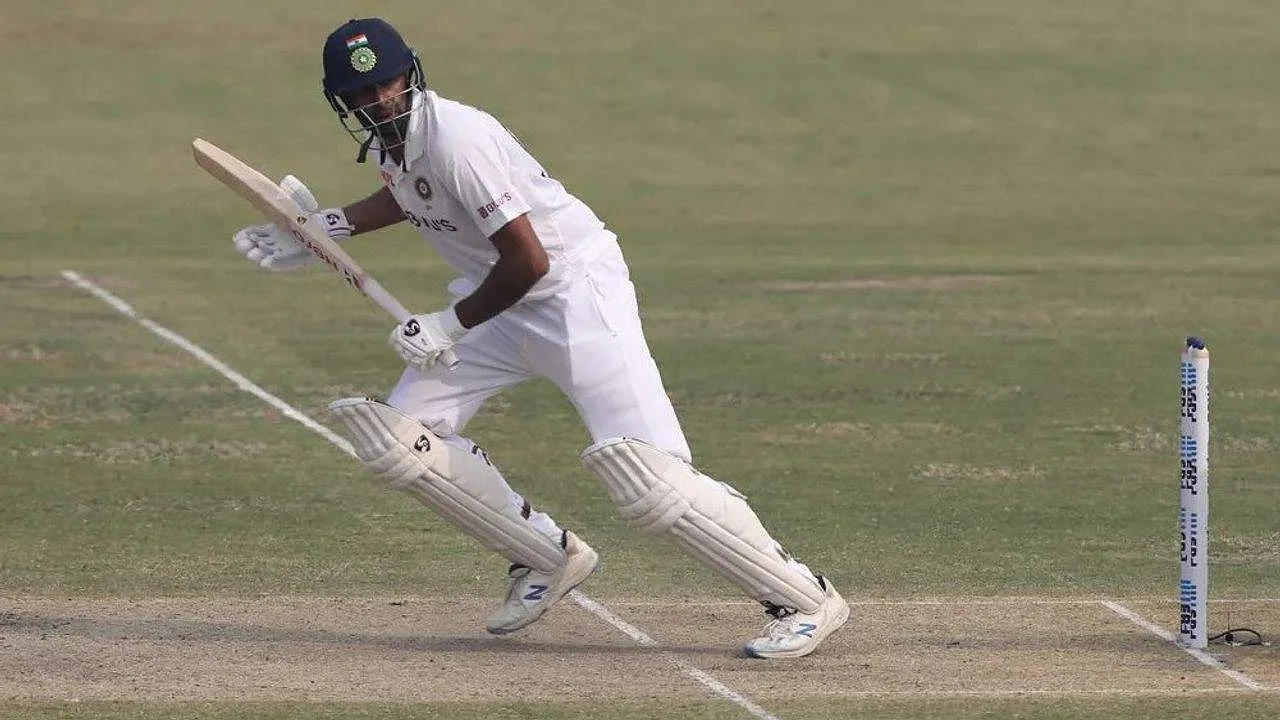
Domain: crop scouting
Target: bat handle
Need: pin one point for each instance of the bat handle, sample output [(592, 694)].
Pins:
[(384, 299), (388, 302)]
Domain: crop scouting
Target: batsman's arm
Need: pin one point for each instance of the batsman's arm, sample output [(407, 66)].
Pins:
[(522, 262), (375, 212)]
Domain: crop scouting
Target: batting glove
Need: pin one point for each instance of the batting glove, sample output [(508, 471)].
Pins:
[(274, 248), (424, 340)]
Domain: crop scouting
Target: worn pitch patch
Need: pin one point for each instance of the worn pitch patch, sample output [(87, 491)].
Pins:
[(434, 649)]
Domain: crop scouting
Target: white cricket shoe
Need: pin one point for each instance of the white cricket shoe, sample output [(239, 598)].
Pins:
[(530, 593), (792, 633)]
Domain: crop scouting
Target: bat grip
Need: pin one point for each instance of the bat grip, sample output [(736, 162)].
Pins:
[(388, 302), (384, 299)]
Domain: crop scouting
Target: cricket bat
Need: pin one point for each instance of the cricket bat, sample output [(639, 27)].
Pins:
[(277, 206)]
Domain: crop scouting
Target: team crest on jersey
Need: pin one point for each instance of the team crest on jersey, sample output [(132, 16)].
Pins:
[(423, 188)]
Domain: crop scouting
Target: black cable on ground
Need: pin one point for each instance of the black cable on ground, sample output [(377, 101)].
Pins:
[(1231, 637)]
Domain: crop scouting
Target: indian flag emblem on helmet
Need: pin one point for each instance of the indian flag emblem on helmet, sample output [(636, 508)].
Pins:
[(356, 41), (363, 59)]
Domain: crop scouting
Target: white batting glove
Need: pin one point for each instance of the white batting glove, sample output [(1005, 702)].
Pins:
[(424, 340), (270, 247), (274, 248)]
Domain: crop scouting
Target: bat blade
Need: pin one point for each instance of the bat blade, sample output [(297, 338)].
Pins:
[(277, 206)]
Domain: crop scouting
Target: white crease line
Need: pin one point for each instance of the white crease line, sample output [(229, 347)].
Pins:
[(959, 601), (1204, 657), (978, 601), (1029, 600), (1220, 601), (241, 381), (1104, 692), (249, 386), (941, 602), (640, 638), (1032, 600)]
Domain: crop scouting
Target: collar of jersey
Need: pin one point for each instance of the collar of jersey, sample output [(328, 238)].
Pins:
[(417, 144)]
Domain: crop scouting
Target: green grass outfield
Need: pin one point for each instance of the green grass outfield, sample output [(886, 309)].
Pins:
[(916, 274)]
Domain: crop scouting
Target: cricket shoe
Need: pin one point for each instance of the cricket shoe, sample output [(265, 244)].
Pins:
[(530, 593), (792, 633)]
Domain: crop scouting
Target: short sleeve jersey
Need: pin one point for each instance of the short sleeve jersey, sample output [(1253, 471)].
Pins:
[(466, 176)]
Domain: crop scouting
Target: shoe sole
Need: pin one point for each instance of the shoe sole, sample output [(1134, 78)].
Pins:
[(573, 581), (832, 626)]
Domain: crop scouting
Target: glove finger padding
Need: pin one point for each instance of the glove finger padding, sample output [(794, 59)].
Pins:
[(250, 241), (244, 241), (273, 247), (270, 247)]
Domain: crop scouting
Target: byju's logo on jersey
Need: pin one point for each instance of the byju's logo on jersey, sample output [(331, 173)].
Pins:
[(490, 208), (423, 188)]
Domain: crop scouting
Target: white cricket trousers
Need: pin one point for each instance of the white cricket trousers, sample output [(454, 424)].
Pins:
[(587, 339)]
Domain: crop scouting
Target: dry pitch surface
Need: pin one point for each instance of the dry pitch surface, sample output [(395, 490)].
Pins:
[(431, 649)]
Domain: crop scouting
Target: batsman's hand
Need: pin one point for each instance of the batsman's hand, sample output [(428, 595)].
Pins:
[(271, 247), (274, 248), (424, 340)]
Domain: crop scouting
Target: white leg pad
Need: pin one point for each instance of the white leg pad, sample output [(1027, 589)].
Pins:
[(464, 488), (659, 493)]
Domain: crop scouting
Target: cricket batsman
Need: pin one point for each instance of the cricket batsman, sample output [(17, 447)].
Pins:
[(542, 292)]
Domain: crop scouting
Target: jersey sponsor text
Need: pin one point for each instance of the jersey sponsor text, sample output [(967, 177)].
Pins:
[(492, 206)]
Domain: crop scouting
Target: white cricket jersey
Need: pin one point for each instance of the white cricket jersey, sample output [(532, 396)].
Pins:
[(467, 176)]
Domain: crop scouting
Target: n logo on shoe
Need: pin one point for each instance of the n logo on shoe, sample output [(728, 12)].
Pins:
[(535, 593), (806, 629)]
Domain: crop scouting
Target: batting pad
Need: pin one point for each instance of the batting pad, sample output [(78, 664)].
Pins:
[(660, 493), (462, 487)]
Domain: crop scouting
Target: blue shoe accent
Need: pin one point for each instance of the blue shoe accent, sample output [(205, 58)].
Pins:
[(535, 593), (806, 629)]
